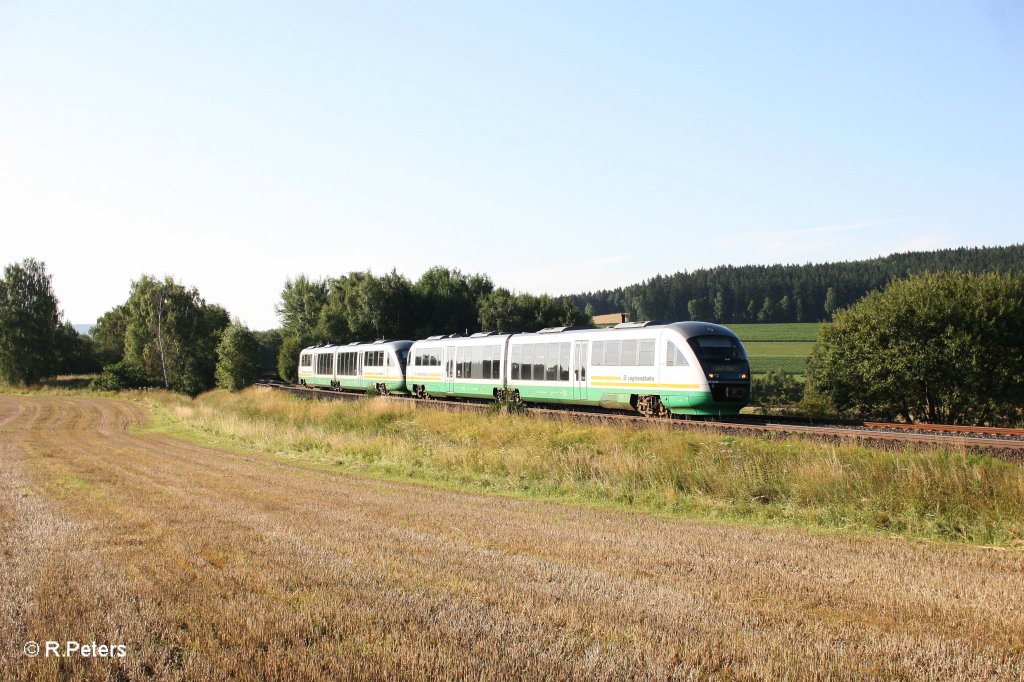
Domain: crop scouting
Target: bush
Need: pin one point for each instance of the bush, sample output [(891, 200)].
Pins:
[(120, 376), (238, 358), (776, 390), (288, 358), (935, 348)]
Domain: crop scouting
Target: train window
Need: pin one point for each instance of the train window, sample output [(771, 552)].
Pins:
[(674, 357), (306, 360), (563, 362), (540, 351), (527, 366), (597, 356), (646, 355), (495, 362), (628, 353), (717, 348), (460, 363), (436, 357), (324, 363), (551, 363), (611, 353), (478, 362), (517, 354), (488, 350)]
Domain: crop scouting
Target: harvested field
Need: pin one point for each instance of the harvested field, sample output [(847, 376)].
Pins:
[(210, 564)]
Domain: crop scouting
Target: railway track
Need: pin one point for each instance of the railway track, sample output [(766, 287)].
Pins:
[(1003, 443)]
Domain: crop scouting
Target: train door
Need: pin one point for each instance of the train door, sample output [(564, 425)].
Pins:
[(579, 375), (449, 369), (359, 366)]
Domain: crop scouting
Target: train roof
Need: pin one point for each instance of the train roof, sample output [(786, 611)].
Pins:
[(361, 345), (687, 329)]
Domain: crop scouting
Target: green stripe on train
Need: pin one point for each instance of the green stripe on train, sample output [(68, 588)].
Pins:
[(679, 402)]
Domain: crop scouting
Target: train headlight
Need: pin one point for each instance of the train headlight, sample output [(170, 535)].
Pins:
[(744, 376), (712, 375)]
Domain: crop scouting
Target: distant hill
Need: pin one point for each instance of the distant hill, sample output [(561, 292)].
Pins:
[(785, 293), (83, 329)]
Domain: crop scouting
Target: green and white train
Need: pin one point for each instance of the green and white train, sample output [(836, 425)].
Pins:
[(685, 368), (358, 366)]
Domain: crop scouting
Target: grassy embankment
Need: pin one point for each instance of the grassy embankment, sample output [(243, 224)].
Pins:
[(923, 494), (780, 347)]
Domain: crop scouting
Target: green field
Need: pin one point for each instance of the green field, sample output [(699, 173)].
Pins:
[(789, 365), (778, 347), (787, 331)]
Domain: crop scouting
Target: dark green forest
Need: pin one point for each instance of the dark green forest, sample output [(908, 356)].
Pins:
[(785, 293)]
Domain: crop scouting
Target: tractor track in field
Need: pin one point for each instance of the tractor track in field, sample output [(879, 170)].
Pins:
[(1007, 444)]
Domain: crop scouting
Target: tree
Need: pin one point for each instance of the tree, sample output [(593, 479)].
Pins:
[(238, 358), (74, 353), (784, 309), (446, 301), (288, 358), (719, 307), (108, 336), (696, 308), (500, 311), (270, 345), (302, 302), (830, 302), (29, 322), (171, 334), (934, 348), (767, 311)]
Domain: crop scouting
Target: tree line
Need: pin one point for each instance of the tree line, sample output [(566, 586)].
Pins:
[(361, 306), (785, 293)]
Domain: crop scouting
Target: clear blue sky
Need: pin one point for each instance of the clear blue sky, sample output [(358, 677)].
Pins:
[(558, 147)]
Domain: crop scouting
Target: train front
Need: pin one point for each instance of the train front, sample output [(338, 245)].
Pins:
[(724, 364)]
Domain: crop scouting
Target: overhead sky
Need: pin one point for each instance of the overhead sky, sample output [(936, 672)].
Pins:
[(557, 146)]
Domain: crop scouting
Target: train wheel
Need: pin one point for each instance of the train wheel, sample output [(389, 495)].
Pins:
[(651, 406)]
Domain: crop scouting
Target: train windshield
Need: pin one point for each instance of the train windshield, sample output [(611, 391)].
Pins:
[(717, 349)]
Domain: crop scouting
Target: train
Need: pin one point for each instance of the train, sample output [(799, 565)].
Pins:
[(657, 369)]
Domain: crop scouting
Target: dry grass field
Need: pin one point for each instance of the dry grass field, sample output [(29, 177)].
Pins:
[(213, 564)]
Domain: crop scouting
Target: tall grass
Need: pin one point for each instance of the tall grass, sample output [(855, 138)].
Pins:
[(937, 494)]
